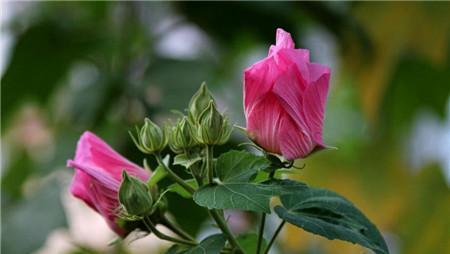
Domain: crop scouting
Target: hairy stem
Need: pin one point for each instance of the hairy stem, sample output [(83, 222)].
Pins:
[(209, 162), (216, 214), (274, 236), (174, 176), (149, 224), (261, 233), (224, 227), (177, 230)]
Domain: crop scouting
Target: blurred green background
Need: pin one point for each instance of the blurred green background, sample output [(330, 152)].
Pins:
[(104, 66)]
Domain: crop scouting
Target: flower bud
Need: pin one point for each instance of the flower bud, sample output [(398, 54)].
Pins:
[(150, 138), (283, 117), (199, 102), (212, 128), (181, 136), (134, 196)]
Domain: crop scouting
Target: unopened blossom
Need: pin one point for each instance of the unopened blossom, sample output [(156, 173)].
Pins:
[(284, 100), (98, 174)]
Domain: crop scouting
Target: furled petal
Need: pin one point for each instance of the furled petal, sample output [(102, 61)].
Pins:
[(98, 196), (316, 71), (98, 174), (107, 204), (289, 88), (94, 152), (283, 40), (79, 185), (299, 57), (295, 142), (258, 81), (314, 102), (263, 123)]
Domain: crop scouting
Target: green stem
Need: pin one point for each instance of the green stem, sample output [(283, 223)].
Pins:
[(261, 233), (209, 161), (274, 236), (149, 224), (174, 176), (224, 227), (177, 230), (215, 214)]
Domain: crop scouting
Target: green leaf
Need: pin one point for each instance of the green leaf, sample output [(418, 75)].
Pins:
[(174, 249), (234, 191), (249, 241), (328, 214), (180, 190), (185, 161), (244, 196), (210, 245), (239, 166)]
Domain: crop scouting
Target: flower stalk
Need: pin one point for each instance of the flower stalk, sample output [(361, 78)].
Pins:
[(173, 175), (261, 233), (274, 237), (149, 224), (215, 213)]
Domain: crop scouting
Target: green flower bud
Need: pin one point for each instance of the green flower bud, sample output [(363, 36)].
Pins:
[(150, 138), (134, 196), (199, 102), (212, 128), (181, 136)]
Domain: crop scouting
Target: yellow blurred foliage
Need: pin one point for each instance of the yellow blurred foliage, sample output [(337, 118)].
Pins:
[(395, 28)]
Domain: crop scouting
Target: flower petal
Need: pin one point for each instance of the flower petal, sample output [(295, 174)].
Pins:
[(258, 81), (79, 188), (263, 123), (299, 57), (94, 152), (295, 142), (314, 102), (107, 204), (283, 41), (316, 71), (289, 88), (95, 173)]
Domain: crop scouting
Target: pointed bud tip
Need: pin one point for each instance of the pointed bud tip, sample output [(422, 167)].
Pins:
[(124, 174), (211, 103), (69, 163), (148, 121)]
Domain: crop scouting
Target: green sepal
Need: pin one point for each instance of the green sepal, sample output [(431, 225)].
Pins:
[(198, 103), (186, 161), (212, 128), (134, 196), (150, 138), (180, 137)]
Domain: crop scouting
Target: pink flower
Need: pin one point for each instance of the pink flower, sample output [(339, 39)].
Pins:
[(98, 174), (284, 100)]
